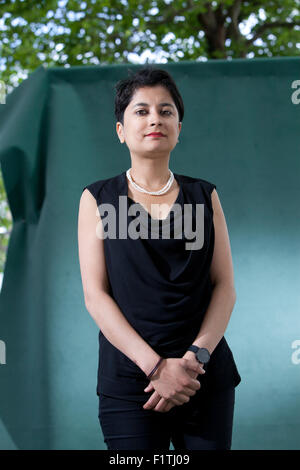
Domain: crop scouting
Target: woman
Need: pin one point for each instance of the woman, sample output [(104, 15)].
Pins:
[(162, 303)]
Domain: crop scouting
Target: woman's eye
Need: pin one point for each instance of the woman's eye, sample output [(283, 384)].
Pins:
[(165, 111)]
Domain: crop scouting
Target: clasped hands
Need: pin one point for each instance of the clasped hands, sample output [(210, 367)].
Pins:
[(168, 371)]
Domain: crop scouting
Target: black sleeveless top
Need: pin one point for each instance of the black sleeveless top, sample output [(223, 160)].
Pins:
[(161, 283)]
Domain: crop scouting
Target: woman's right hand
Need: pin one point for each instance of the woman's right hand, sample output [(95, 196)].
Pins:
[(173, 382)]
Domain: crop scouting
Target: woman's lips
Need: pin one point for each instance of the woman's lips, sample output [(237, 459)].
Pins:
[(154, 135)]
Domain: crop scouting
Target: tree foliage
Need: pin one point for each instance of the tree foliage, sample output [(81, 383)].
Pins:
[(72, 32)]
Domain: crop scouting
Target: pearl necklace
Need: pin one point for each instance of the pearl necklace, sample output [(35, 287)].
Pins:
[(156, 193)]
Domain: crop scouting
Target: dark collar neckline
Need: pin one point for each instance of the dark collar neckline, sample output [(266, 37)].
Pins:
[(130, 201)]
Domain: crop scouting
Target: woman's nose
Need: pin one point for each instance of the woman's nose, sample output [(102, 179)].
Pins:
[(155, 117)]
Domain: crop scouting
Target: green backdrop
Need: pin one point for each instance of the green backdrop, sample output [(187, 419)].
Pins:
[(240, 131)]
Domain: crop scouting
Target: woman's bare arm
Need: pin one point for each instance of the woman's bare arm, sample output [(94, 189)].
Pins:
[(101, 306)]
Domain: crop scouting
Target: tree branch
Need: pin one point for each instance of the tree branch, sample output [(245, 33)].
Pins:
[(275, 24), (234, 13), (171, 14), (220, 17)]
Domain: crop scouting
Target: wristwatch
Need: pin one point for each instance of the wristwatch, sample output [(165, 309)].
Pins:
[(202, 354)]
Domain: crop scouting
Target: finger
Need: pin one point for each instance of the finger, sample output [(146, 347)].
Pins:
[(177, 401), (194, 365), (189, 391), (169, 406), (197, 367), (152, 402), (149, 387), (161, 405), (192, 387), (195, 386)]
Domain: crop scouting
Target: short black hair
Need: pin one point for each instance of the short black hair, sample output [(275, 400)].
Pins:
[(146, 76)]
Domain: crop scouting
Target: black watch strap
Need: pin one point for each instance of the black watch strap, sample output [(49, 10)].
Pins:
[(194, 348)]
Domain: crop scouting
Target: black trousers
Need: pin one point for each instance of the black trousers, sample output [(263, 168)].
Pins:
[(203, 423)]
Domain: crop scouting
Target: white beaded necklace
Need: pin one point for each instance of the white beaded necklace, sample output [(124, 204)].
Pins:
[(156, 193)]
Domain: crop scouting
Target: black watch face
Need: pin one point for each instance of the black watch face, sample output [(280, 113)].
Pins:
[(203, 355)]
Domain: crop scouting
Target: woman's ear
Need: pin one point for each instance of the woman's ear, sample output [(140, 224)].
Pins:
[(179, 127), (119, 130)]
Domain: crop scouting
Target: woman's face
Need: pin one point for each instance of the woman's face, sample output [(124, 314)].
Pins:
[(157, 114)]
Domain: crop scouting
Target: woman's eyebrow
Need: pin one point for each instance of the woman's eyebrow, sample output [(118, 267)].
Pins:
[(160, 104)]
